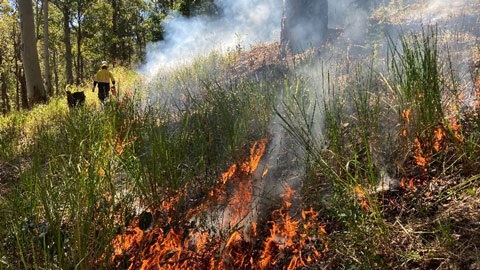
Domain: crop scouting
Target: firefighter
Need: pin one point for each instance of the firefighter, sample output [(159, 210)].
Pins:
[(103, 78)]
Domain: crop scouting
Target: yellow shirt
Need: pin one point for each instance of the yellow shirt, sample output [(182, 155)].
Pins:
[(104, 76)]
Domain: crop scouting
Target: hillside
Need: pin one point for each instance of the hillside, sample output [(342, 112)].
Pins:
[(360, 154)]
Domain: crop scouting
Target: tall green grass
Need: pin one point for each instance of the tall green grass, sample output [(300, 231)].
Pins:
[(92, 170), (352, 136)]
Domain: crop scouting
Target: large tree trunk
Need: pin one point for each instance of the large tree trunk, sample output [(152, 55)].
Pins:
[(304, 25), (46, 52), (35, 90), (20, 85)]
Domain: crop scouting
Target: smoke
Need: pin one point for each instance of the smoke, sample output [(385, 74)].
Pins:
[(242, 23)]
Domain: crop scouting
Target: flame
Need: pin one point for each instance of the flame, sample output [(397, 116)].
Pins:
[(408, 184), (362, 199), (239, 206), (287, 236), (125, 241), (290, 242), (438, 138), (406, 115), (229, 174), (420, 157), (456, 127)]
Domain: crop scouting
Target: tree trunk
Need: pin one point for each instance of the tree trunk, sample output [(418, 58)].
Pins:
[(55, 72), (115, 18), (46, 52), (304, 25), (4, 81), (21, 90), (79, 52), (68, 45), (5, 100), (35, 90)]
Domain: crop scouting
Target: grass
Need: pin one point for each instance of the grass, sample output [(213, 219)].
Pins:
[(82, 176), (89, 171), (385, 125)]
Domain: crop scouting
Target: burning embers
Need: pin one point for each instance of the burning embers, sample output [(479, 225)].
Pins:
[(232, 241), (428, 147)]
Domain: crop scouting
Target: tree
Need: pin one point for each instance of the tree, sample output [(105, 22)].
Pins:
[(304, 24), (65, 7), (35, 90), (46, 52), (7, 22)]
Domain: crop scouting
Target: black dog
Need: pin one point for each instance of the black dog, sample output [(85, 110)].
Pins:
[(76, 99)]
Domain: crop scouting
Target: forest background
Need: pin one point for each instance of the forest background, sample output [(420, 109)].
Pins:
[(73, 37)]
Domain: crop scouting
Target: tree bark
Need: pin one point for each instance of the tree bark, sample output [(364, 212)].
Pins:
[(6, 101), (20, 85), (304, 25), (55, 72), (35, 90), (4, 81), (46, 52)]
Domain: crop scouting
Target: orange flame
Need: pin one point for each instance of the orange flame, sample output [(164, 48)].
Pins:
[(362, 199), (406, 115), (420, 158), (408, 184), (290, 243), (456, 128), (438, 138)]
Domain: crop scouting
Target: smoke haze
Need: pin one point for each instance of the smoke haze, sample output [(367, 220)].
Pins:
[(242, 23)]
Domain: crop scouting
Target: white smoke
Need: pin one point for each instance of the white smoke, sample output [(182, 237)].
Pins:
[(242, 23)]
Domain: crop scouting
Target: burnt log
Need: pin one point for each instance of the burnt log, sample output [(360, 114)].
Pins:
[(304, 25)]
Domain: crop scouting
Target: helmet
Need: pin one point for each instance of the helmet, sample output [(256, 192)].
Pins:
[(104, 64)]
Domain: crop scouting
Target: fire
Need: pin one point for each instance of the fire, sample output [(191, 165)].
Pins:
[(406, 115), (456, 127), (362, 198), (438, 138), (288, 235), (293, 242), (420, 157), (408, 184), (229, 174)]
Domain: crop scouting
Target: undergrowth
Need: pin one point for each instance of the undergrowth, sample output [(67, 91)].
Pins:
[(385, 150)]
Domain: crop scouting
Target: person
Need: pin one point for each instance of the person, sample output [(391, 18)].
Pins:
[(103, 78)]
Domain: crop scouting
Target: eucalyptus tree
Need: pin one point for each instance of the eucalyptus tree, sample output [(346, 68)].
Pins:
[(7, 23), (304, 24), (81, 8), (35, 89), (129, 32), (65, 7), (46, 51)]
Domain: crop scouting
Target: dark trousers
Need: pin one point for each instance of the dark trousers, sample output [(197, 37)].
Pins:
[(103, 89)]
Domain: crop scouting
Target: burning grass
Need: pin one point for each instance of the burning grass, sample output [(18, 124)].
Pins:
[(293, 241), (391, 181)]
